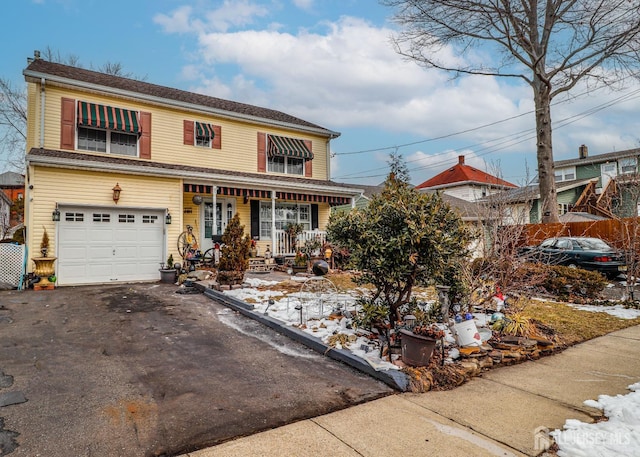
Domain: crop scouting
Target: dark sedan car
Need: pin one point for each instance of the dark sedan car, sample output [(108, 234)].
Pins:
[(579, 252)]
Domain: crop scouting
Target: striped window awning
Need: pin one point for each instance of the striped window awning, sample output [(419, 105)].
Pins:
[(108, 117), (288, 147), (330, 199), (226, 191), (204, 130)]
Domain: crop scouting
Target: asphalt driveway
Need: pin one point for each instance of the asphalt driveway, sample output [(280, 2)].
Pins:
[(139, 370)]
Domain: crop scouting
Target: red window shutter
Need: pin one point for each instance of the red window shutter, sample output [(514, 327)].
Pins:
[(308, 170), (188, 133), (217, 138), (145, 135), (262, 152), (68, 124)]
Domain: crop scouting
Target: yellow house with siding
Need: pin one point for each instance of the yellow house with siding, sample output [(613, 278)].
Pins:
[(118, 168)]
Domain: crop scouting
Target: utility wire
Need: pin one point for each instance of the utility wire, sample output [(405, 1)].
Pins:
[(521, 136)]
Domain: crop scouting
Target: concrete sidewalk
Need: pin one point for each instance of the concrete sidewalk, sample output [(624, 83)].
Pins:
[(499, 414)]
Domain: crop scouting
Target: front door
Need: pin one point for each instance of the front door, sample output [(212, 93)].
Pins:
[(225, 209)]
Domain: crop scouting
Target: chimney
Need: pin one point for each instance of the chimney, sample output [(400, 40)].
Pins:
[(583, 152), (461, 160)]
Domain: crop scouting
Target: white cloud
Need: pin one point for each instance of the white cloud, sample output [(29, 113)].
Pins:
[(232, 13), (346, 75), (306, 5), (178, 21)]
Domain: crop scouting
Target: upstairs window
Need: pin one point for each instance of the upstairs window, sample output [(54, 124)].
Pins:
[(203, 134), (287, 155), (565, 174), (103, 128), (628, 165)]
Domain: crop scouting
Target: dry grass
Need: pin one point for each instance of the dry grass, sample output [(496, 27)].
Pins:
[(572, 325)]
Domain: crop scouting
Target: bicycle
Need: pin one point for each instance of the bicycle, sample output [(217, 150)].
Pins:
[(188, 249), (187, 244)]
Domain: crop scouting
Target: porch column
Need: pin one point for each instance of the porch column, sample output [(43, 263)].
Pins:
[(214, 191), (273, 222), (353, 202)]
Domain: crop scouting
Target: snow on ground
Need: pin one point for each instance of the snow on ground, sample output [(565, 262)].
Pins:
[(617, 310), (618, 436), (310, 311)]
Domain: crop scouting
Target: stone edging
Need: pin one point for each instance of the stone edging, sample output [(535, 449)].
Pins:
[(394, 378)]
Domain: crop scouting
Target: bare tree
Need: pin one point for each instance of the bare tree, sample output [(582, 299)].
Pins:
[(13, 124), (550, 45), (13, 107)]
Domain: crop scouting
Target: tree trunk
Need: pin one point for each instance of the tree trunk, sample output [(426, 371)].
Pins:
[(546, 175)]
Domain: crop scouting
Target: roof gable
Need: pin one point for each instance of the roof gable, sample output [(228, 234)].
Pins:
[(41, 67), (461, 174)]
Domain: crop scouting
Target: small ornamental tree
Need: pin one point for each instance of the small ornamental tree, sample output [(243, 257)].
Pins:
[(234, 255), (401, 239)]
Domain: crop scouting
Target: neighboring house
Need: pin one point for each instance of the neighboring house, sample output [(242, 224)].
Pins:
[(125, 165), (361, 201), (465, 182), (605, 185), (5, 211), (12, 184)]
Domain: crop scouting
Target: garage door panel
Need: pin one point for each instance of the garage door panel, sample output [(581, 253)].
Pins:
[(101, 245), (100, 235), (75, 253), (74, 235), (99, 253)]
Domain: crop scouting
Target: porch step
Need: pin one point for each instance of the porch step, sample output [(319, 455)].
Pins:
[(261, 265)]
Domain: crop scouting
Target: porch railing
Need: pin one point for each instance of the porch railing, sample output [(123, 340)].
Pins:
[(285, 247)]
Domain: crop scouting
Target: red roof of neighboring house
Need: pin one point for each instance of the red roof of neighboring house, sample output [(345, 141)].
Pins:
[(461, 173)]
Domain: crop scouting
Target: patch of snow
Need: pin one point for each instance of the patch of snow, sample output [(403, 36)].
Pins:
[(618, 310), (257, 282), (618, 436)]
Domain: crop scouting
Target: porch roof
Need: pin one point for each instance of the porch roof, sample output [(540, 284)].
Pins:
[(192, 174)]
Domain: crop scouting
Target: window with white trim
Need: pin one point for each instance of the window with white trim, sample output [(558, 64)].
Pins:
[(563, 208), (110, 142), (628, 165), (286, 165), (565, 174), (285, 214)]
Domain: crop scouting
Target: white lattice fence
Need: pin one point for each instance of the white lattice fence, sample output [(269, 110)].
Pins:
[(12, 261)]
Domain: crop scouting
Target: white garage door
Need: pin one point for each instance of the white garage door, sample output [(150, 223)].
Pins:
[(102, 245)]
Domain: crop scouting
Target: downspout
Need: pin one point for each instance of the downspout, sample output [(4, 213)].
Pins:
[(273, 223), (42, 100), (329, 159)]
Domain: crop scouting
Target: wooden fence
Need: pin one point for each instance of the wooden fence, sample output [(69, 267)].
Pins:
[(619, 233)]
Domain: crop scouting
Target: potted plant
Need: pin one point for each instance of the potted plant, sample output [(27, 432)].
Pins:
[(44, 266), (234, 256), (300, 262), (44, 243), (168, 272)]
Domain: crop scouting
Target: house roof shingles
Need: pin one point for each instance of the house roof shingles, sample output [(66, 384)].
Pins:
[(463, 174), (41, 67), (53, 157)]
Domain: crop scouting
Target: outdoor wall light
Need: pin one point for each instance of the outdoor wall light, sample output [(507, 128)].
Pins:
[(245, 199), (116, 193), (55, 215), (197, 199), (167, 218)]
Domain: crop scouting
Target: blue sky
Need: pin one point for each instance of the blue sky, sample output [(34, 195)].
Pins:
[(329, 62)]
